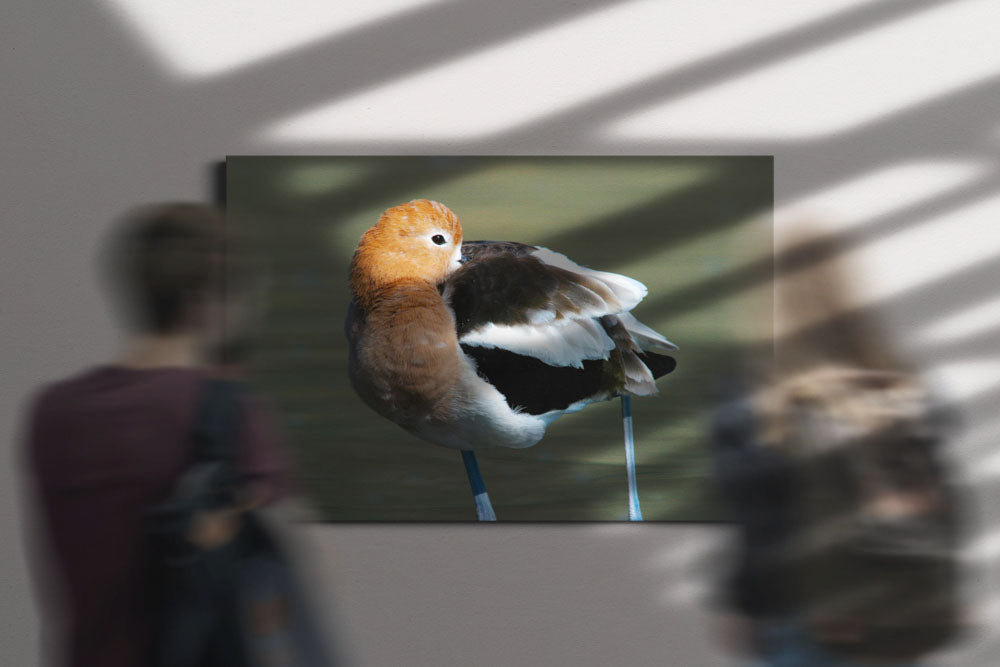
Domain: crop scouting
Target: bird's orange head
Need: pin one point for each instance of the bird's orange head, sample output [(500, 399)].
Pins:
[(418, 241)]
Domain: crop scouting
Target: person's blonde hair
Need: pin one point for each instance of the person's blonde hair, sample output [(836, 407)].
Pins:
[(829, 354)]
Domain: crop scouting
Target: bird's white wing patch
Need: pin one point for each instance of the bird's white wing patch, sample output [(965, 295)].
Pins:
[(540, 316), (562, 342), (568, 331), (628, 290)]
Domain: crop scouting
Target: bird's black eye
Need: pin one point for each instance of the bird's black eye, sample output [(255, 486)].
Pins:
[(438, 239)]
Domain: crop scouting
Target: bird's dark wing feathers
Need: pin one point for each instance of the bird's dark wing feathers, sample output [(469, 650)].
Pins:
[(535, 387), (501, 283)]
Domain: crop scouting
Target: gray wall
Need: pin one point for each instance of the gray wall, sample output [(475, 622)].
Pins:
[(93, 122)]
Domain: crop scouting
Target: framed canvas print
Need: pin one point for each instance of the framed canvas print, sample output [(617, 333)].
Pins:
[(601, 248)]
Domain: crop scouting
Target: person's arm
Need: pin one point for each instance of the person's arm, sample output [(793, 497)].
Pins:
[(263, 479), (757, 483), (261, 462)]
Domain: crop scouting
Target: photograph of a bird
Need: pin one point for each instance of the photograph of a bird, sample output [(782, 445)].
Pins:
[(480, 344)]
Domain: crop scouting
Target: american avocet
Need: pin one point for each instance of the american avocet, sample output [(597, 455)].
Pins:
[(485, 343)]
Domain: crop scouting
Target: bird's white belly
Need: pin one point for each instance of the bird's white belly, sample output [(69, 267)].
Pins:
[(481, 419)]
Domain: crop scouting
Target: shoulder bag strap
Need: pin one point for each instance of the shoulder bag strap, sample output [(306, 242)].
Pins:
[(216, 422)]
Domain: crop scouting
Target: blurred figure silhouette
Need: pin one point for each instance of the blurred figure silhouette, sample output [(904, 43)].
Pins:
[(108, 446), (829, 455)]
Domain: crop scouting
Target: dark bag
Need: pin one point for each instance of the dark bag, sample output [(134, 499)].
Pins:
[(238, 605), (873, 561)]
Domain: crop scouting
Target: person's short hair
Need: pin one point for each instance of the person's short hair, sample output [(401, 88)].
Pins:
[(165, 262)]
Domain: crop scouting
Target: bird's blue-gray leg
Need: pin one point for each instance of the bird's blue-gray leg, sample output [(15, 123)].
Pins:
[(484, 510), (634, 511)]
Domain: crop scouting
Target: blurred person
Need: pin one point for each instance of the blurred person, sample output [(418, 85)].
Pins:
[(829, 457), (107, 445)]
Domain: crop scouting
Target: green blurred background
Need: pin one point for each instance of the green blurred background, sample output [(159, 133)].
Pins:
[(696, 230)]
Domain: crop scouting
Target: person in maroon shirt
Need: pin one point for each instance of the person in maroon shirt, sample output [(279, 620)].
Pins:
[(108, 444)]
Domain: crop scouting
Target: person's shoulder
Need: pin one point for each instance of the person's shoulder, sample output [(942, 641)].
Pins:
[(55, 392), (89, 385), (48, 404)]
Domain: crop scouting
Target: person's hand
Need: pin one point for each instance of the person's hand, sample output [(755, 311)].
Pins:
[(211, 529)]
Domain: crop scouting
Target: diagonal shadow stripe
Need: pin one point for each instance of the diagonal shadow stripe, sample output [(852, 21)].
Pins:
[(717, 69), (956, 123), (765, 270), (976, 346), (393, 48), (922, 303), (386, 177), (424, 37), (675, 218)]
